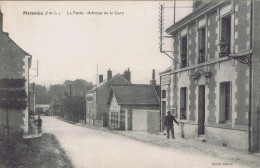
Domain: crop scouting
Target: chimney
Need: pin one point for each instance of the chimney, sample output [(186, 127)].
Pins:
[(100, 78), (109, 75), (127, 75), (153, 81), (1, 21), (196, 4)]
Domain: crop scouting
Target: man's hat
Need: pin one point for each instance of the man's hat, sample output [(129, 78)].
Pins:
[(169, 112)]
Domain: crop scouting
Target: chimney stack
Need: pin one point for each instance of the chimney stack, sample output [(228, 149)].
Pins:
[(100, 78), (127, 75), (109, 75), (196, 4), (153, 81)]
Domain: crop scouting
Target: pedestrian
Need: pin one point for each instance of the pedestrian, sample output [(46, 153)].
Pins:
[(39, 124), (169, 124)]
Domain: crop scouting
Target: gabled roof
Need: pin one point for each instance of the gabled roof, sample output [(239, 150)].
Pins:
[(134, 94), (11, 42), (106, 82), (204, 7)]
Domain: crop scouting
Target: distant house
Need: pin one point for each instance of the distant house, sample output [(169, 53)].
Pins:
[(42, 109), (14, 67), (134, 107), (96, 99), (56, 108)]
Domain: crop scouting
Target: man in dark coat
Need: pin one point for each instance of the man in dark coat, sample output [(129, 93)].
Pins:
[(169, 123), (39, 124)]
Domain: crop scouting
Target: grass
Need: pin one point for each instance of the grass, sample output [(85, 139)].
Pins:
[(42, 152)]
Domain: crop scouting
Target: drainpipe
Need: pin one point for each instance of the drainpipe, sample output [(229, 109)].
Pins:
[(250, 81)]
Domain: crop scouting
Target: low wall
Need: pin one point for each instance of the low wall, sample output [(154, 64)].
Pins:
[(146, 120), (227, 137)]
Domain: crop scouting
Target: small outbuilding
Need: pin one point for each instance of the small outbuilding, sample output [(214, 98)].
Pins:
[(134, 107)]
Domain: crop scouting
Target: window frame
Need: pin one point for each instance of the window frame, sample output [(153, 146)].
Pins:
[(183, 103), (200, 44), (186, 51), (164, 94), (225, 116), (225, 40)]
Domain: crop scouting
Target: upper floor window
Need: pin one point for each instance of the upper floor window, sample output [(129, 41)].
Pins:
[(163, 93), (184, 52), (202, 44), (225, 37)]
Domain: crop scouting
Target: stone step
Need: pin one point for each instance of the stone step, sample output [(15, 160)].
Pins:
[(202, 138)]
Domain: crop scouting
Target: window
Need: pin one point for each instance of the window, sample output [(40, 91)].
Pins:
[(183, 103), (184, 52), (225, 103), (225, 36), (89, 98), (163, 93), (202, 46)]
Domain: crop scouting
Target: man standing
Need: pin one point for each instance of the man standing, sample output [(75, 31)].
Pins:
[(169, 123), (39, 124)]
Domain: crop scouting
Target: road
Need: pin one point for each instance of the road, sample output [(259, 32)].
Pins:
[(99, 149)]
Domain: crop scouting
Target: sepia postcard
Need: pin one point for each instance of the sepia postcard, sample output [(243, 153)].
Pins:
[(130, 84)]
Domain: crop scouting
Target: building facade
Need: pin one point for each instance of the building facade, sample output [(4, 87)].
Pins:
[(14, 66), (213, 87), (134, 107), (96, 99)]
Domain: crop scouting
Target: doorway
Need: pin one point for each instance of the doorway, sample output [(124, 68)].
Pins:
[(201, 114), (163, 114)]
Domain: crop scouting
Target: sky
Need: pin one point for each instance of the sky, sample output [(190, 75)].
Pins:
[(71, 46)]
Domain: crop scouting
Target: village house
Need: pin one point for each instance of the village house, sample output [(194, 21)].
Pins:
[(14, 84), (96, 99), (213, 87), (134, 107), (56, 108)]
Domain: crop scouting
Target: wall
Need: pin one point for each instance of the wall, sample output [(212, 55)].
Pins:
[(140, 120), (222, 70), (130, 109), (255, 76), (14, 64), (102, 96), (146, 120)]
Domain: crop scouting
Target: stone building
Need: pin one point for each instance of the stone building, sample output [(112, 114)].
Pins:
[(134, 107), (96, 99), (14, 66), (213, 87)]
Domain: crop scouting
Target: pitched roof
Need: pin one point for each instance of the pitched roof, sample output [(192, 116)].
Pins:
[(106, 82), (11, 42), (134, 94)]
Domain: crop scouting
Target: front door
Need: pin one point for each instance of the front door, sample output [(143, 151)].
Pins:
[(201, 115), (163, 114)]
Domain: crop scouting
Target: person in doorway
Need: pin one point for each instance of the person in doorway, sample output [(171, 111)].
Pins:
[(39, 124), (169, 124)]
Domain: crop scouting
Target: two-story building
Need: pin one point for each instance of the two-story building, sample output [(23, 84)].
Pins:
[(14, 84), (96, 99), (214, 84)]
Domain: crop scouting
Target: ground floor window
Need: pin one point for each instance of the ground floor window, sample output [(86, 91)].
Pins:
[(225, 112), (183, 102), (114, 119)]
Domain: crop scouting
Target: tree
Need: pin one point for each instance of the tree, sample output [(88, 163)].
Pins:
[(79, 87)]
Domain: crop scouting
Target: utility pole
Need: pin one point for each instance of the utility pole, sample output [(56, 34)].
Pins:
[(174, 11)]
